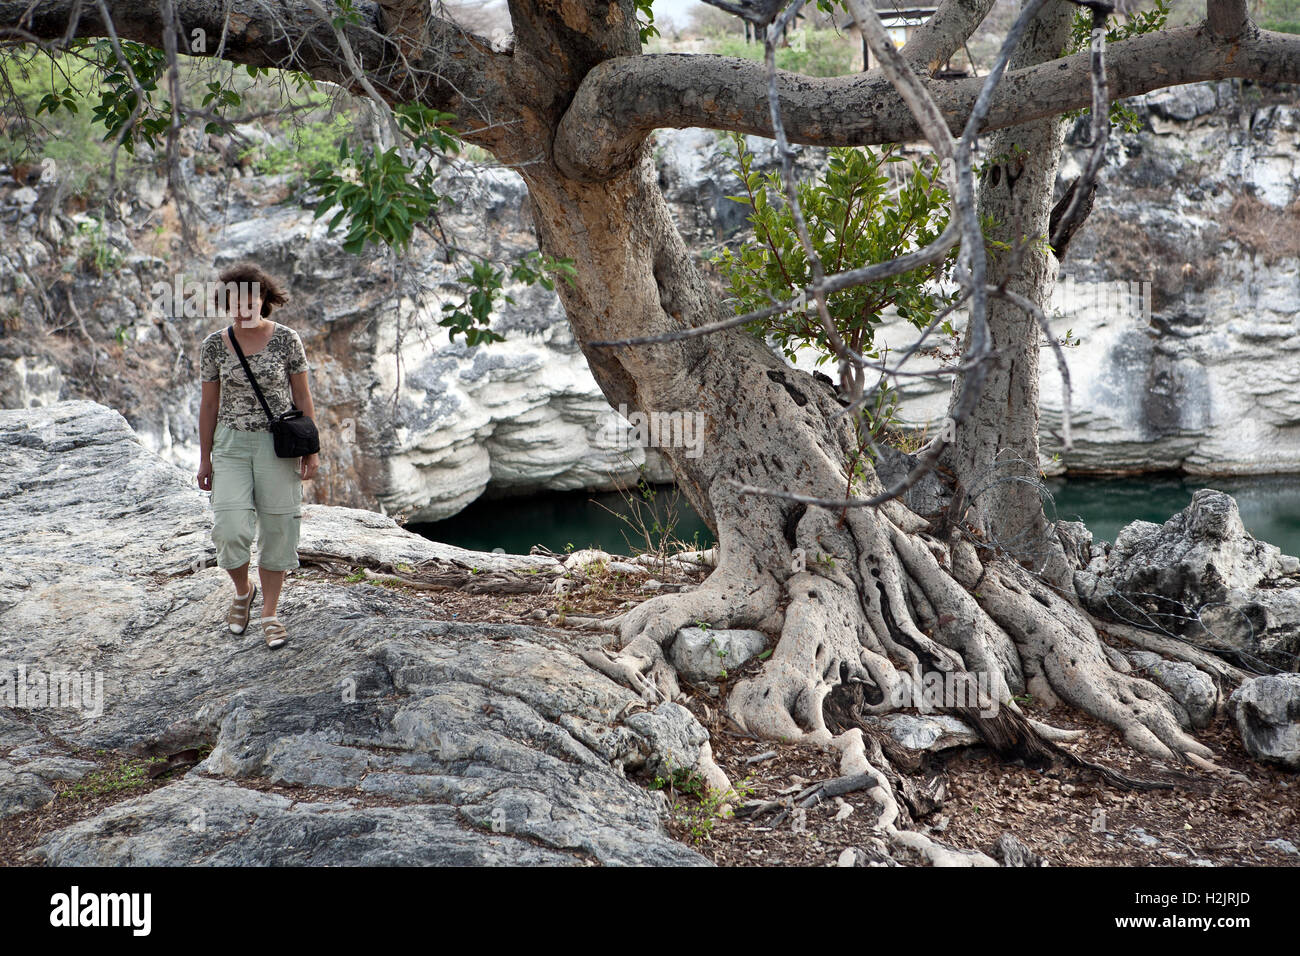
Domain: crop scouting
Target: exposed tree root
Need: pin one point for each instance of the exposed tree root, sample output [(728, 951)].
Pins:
[(1065, 661), (1174, 649), (852, 746), (877, 610), (859, 617), (1008, 733), (737, 594)]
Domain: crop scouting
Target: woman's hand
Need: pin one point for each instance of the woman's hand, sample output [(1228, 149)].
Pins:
[(309, 465), (205, 474)]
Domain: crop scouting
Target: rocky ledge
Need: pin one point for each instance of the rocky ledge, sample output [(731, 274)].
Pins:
[(399, 738), (1202, 590), (1202, 577)]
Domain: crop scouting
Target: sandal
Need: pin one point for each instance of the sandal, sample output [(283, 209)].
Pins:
[(273, 632), (237, 619)]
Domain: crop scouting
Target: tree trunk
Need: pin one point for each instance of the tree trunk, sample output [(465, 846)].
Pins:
[(875, 601), (995, 454)]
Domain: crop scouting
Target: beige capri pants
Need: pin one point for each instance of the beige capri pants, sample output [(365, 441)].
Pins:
[(250, 483)]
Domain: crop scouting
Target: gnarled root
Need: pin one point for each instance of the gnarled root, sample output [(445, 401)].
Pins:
[(853, 760), (738, 594), (877, 609), (1064, 660), (880, 605)]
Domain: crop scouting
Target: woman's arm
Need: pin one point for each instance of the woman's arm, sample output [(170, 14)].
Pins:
[(302, 399), (302, 394), (208, 405)]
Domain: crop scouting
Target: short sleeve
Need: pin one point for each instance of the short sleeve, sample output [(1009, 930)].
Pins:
[(209, 366), (297, 355)]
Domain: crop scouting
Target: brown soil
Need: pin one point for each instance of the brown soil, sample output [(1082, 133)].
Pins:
[(1057, 813)]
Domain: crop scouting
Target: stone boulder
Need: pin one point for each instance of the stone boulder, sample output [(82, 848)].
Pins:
[(27, 380), (1267, 712), (1201, 576), (706, 654)]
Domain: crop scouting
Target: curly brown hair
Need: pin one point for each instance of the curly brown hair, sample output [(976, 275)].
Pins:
[(273, 294)]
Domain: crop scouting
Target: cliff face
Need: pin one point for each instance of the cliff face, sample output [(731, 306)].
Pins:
[(1196, 216), (1183, 287), (415, 425), (1204, 208)]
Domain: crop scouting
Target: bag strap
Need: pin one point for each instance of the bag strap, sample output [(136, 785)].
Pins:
[(243, 361)]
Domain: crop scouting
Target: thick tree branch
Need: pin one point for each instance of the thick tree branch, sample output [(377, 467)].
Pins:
[(1225, 18), (625, 98), (407, 19), (943, 34), (454, 70)]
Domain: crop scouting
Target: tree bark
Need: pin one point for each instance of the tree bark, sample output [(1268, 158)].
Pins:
[(996, 453)]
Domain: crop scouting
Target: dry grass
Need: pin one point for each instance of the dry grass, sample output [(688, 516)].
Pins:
[(1268, 232), (1174, 268)]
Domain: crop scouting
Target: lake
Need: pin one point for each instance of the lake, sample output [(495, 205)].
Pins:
[(579, 519), (1269, 504), (1270, 509)]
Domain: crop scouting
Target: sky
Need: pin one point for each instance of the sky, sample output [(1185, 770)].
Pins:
[(679, 11)]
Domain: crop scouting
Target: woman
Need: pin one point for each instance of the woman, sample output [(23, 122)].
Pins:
[(238, 463)]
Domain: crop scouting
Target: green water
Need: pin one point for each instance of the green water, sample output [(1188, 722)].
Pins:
[(1269, 504), (1270, 509), (579, 519)]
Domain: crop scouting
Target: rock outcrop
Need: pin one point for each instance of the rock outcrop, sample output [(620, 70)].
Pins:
[(1267, 712), (1201, 576), (1181, 288), (706, 654), (405, 738)]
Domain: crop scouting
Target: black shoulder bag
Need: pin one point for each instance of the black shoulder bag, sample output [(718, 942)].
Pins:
[(294, 433)]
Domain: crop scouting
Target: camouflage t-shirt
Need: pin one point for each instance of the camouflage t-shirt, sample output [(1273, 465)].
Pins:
[(282, 356)]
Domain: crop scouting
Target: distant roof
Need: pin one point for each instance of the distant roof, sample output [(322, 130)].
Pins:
[(895, 14)]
